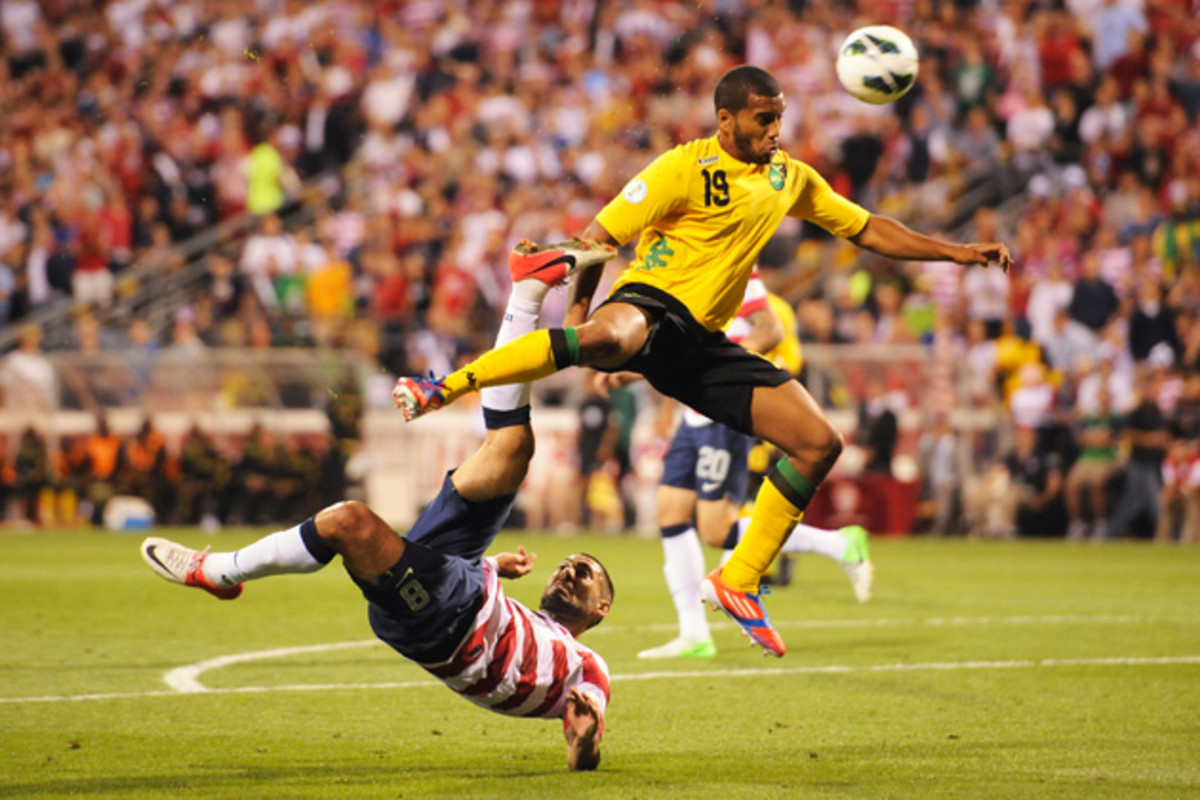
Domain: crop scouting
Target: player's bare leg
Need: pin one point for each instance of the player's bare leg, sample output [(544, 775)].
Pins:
[(368, 545), (788, 417), (498, 467)]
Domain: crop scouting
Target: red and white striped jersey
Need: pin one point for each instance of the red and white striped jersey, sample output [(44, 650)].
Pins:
[(520, 662)]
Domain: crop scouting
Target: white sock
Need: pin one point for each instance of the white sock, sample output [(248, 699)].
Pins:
[(520, 318), (683, 566), (807, 539), (727, 549), (281, 553)]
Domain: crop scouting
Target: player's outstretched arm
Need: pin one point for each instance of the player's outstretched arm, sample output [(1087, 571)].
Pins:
[(891, 238), (582, 730), (583, 286), (515, 565)]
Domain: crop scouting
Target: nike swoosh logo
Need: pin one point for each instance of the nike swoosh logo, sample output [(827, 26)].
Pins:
[(708, 487), (565, 258), (150, 554)]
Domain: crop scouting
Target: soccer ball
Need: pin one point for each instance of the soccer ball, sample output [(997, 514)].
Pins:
[(877, 64)]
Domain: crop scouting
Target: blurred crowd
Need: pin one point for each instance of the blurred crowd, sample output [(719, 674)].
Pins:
[(455, 128), (257, 477)]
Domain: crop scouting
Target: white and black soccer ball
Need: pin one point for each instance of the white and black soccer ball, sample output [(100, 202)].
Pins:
[(877, 64)]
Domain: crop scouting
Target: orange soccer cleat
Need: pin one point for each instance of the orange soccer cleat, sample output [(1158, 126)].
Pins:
[(554, 263), (745, 609)]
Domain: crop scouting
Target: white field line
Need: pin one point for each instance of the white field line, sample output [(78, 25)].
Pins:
[(187, 678), (833, 669), (927, 622)]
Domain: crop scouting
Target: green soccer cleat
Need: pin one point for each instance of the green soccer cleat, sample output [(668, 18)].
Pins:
[(681, 648), (856, 563)]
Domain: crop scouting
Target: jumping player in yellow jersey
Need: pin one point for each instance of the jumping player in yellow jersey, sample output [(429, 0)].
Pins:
[(703, 211)]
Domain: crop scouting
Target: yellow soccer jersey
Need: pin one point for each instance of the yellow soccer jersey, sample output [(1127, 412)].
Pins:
[(789, 353), (704, 216)]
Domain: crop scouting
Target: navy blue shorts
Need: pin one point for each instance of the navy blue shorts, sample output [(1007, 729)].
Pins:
[(426, 603), (710, 460)]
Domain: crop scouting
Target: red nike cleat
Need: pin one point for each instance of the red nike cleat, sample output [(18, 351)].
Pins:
[(745, 609), (554, 263)]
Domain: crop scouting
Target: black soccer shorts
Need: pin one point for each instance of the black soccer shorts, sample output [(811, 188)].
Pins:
[(698, 367)]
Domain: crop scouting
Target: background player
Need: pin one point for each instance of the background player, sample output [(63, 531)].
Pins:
[(703, 211), (704, 484), (433, 597)]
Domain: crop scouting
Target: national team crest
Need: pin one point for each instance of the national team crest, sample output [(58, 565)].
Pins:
[(777, 176)]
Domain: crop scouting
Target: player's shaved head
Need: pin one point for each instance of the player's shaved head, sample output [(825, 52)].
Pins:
[(738, 84)]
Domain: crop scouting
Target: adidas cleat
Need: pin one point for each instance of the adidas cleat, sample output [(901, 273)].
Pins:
[(554, 263), (183, 565), (746, 610), (417, 396), (857, 562), (681, 648)]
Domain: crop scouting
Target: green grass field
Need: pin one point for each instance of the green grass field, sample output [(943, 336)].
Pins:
[(1021, 669)]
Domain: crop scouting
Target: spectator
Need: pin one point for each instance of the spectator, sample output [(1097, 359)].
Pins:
[(1094, 300), (103, 450), (1110, 27), (92, 279), (1096, 437), (27, 377), (1037, 476), (270, 180), (1049, 294), (1179, 503), (1147, 437), (1176, 238), (1104, 122), (1022, 494), (878, 429), (1067, 342), (143, 469), (32, 476), (980, 360), (1152, 324), (203, 482), (254, 478), (941, 469), (267, 257)]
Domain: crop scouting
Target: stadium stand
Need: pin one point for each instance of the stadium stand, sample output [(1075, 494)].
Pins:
[(192, 191)]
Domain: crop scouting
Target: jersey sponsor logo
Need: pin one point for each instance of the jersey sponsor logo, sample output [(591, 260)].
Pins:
[(704, 162), (635, 191), (777, 176)]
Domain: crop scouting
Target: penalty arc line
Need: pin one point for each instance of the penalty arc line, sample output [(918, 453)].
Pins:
[(187, 678), (833, 669)]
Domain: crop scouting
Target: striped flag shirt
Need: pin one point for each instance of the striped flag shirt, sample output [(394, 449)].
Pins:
[(519, 662)]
